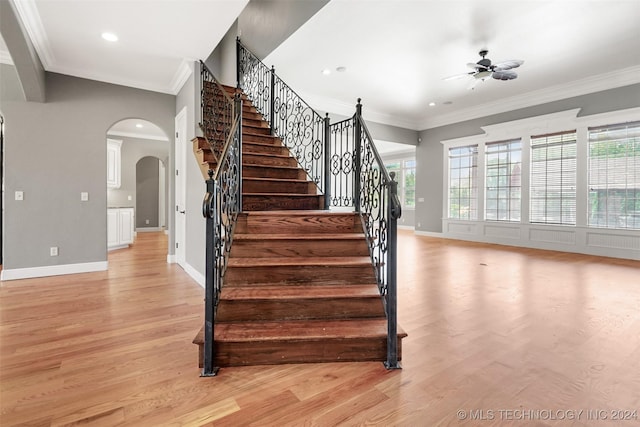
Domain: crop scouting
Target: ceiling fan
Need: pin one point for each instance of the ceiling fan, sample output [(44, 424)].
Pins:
[(484, 69)]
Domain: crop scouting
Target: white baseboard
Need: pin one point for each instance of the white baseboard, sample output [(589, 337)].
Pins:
[(430, 234), (406, 227), (53, 270), (195, 274), (148, 229)]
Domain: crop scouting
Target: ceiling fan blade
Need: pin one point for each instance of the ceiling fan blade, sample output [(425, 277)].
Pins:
[(507, 65), (504, 75), (458, 76), (476, 66)]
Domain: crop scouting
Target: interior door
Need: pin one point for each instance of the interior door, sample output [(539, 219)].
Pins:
[(180, 180)]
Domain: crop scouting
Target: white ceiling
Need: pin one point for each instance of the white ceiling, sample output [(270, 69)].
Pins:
[(398, 52), (158, 39), (137, 128)]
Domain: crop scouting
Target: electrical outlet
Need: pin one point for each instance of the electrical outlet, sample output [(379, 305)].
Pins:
[(19, 195), (420, 199), (146, 221), (418, 224), (129, 197), (84, 196), (53, 251)]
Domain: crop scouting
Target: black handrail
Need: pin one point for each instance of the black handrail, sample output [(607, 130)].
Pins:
[(221, 206), (360, 180), (344, 163), (301, 128), (216, 111)]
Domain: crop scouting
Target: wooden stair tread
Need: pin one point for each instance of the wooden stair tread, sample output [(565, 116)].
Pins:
[(302, 181), (270, 292), (307, 236), (295, 195), (299, 261), (309, 212), (305, 330), (272, 166)]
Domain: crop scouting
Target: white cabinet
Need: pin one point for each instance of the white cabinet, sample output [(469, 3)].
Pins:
[(113, 163), (119, 227)]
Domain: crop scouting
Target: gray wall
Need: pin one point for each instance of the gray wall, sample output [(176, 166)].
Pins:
[(265, 24), (430, 173), (189, 97), (147, 192), (54, 151)]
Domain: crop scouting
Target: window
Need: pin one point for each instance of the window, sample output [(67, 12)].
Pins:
[(502, 196), (614, 176), (553, 178), (405, 171), (463, 187)]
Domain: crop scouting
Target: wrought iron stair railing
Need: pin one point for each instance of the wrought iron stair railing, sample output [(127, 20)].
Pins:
[(222, 126), (343, 161)]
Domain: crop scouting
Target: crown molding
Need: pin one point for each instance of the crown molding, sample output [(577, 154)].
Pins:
[(104, 78), (30, 17), (606, 81), (181, 76)]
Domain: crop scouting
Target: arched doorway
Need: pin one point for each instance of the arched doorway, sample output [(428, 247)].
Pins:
[(129, 142)]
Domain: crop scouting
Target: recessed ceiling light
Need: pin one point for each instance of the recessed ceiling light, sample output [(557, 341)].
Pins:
[(139, 125), (326, 71), (110, 37), (341, 69), (448, 102), (432, 104)]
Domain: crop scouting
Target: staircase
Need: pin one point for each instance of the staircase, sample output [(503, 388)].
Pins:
[(299, 285)]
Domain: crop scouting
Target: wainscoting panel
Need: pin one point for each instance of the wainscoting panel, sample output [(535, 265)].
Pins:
[(501, 232), (552, 236), (615, 241)]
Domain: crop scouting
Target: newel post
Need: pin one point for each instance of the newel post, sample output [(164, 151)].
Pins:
[(327, 162), (357, 156), (393, 213), (208, 210)]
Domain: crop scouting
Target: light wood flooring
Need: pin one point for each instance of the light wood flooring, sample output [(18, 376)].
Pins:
[(491, 329)]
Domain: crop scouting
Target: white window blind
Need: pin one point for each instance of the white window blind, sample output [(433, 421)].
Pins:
[(463, 178), (502, 195), (614, 176), (553, 178)]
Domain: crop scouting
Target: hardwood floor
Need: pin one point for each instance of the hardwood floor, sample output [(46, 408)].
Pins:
[(491, 329)]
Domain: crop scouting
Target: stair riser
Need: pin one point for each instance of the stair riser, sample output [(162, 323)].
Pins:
[(271, 203), (298, 248), (299, 224), (252, 159), (248, 129), (297, 309), (291, 187), (254, 123), (252, 171), (263, 138), (278, 150), (298, 275), (301, 351)]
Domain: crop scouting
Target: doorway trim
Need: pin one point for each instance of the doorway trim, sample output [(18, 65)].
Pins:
[(181, 187)]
